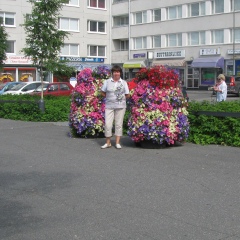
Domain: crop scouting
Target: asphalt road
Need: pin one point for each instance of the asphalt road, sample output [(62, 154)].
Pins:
[(53, 187), (200, 95)]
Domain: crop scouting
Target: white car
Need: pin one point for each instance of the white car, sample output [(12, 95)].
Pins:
[(24, 88)]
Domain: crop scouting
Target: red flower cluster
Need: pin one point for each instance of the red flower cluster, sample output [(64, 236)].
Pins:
[(131, 85), (159, 76)]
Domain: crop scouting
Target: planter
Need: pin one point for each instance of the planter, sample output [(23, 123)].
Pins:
[(157, 109), (87, 108)]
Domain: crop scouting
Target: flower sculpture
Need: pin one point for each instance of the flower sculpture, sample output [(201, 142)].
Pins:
[(87, 107), (157, 107)]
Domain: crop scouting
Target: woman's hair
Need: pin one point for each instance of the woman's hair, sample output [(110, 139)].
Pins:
[(116, 68), (221, 76)]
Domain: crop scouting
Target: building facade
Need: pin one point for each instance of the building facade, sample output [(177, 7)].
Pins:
[(88, 44), (199, 38)]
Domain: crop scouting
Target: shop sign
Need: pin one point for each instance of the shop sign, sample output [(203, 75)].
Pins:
[(170, 54), (139, 55), (16, 59), (80, 59), (230, 51), (209, 51)]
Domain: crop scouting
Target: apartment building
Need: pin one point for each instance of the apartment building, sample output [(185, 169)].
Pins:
[(88, 23), (199, 38)]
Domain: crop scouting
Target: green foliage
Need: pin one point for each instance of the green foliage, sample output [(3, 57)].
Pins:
[(203, 129), (44, 40), (214, 130), (3, 44), (25, 107)]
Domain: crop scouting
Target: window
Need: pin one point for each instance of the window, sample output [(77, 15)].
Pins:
[(235, 5), (174, 40), (7, 19), (174, 12), (73, 2), (218, 6), (121, 45), (196, 38), (124, 45), (69, 24), (157, 41), (140, 42), (98, 27), (64, 87), (236, 35), (70, 50), (156, 15), (217, 36), (196, 9), (96, 51), (117, 1), (10, 47), (140, 17), (120, 21), (96, 3)]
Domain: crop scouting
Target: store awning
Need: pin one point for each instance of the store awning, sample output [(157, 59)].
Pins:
[(171, 63), (208, 62), (134, 64)]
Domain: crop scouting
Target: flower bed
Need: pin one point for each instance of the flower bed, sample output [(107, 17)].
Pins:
[(157, 108), (88, 105)]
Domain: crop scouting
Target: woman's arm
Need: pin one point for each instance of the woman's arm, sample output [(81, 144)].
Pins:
[(103, 94)]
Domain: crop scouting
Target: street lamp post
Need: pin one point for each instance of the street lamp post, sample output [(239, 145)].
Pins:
[(233, 35)]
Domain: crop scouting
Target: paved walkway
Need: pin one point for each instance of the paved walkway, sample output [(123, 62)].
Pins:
[(53, 187)]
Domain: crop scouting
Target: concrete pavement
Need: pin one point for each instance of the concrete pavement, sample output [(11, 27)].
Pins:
[(60, 188)]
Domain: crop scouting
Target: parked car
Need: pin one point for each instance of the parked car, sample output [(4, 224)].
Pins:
[(4, 87), (233, 85), (55, 89), (24, 88)]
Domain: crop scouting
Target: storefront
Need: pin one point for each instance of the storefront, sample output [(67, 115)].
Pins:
[(203, 71), (131, 67), (19, 69), (173, 59), (233, 65)]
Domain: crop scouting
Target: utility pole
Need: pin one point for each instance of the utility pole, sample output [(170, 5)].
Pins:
[(233, 37)]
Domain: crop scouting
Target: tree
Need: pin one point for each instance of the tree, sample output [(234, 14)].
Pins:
[(3, 44), (44, 40)]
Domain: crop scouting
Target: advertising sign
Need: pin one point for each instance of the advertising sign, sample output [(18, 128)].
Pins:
[(170, 54), (82, 59)]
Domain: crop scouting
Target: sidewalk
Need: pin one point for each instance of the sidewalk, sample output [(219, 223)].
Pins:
[(56, 187)]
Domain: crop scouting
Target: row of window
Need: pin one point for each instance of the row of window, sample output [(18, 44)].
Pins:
[(91, 3), (72, 24), (220, 36), (68, 50), (176, 12), (67, 24)]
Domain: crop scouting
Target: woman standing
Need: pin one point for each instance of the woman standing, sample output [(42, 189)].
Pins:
[(116, 91), (221, 88)]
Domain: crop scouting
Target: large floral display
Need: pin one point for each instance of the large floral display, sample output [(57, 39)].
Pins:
[(88, 106), (157, 107)]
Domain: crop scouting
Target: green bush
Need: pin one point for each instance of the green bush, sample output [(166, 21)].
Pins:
[(214, 130), (26, 108), (203, 129)]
